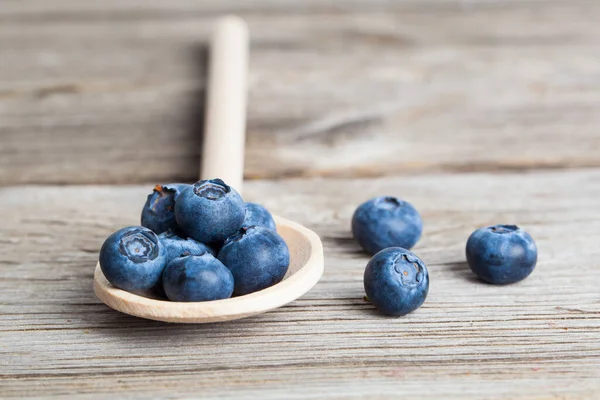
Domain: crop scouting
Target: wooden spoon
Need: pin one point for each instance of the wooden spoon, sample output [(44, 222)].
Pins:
[(223, 157)]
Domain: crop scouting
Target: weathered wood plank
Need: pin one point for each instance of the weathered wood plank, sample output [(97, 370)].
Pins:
[(538, 339), (112, 91)]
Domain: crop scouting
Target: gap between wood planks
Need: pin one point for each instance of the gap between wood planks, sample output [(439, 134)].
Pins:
[(441, 86)]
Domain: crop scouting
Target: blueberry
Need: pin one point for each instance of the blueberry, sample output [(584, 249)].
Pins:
[(209, 211), (501, 254), (385, 222), (257, 257), (133, 259), (178, 247), (158, 213), (197, 278), (257, 215), (396, 281)]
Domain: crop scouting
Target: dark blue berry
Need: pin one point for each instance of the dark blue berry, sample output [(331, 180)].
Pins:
[(179, 247), (501, 254), (158, 213), (257, 215), (396, 281), (197, 278), (133, 259), (385, 222), (209, 211), (257, 257)]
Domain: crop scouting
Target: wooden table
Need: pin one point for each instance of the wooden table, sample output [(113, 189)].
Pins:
[(476, 112)]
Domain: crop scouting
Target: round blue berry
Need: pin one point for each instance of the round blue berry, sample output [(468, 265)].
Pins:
[(209, 211), (179, 247), (501, 254), (257, 215), (396, 281), (197, 278), (158, 213), (257, 257), (133, 259), (385, 222)]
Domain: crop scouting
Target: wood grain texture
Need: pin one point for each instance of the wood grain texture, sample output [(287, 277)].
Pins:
[(112, 91), (538, 339)]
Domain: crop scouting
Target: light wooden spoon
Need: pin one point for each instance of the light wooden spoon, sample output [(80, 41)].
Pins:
[(223, 157)]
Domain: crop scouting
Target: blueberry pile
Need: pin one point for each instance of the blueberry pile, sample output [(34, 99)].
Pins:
[(197, 242), (396, 281)]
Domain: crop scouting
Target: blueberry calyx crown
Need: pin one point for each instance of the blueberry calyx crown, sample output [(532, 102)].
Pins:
[(161, 192), (409, 269), (239, 235), (503, 228), (391, 201), (213, 189), (139, 246), (164, 190)]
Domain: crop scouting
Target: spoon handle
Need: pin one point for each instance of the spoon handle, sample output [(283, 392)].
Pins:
[(225, 124)]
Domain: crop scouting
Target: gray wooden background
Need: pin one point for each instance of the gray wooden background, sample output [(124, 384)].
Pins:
[(477, 112)]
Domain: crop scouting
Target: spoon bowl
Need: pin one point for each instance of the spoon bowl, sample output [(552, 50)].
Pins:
[(223, 157), (305, 270)]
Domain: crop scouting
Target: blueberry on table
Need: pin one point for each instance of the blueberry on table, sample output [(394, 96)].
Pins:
[(133, 259), (177, 246), (197, 278), (257, 215), (501, 254), (257, 257), (209, 211), (396, 281), (385, 222), (158, 213)]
